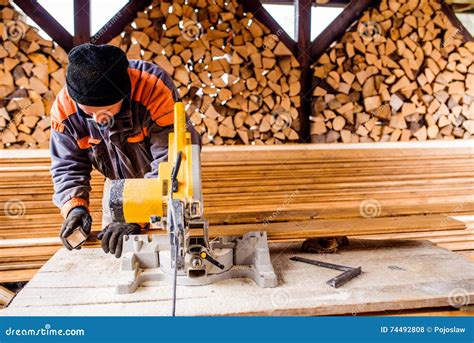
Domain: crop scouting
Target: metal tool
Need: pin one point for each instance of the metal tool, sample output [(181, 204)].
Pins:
[(341, 279), (173, 202)]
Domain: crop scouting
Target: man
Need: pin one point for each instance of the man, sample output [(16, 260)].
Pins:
[(114, 115)]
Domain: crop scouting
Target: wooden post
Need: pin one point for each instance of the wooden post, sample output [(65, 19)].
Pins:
[(82, 21), (303, 53)]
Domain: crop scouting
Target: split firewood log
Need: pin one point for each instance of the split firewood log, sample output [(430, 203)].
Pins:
[(32, 72), (402, 73)]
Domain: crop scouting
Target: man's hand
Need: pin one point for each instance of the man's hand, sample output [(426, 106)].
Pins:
[(77, 217), (112, 236)]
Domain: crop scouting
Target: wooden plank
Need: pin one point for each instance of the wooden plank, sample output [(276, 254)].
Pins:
[(331, 228), (6, 296), (17, 275), (396, 276)]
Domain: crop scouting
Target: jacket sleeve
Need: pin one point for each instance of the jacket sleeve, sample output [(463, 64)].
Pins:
[(71, 172)]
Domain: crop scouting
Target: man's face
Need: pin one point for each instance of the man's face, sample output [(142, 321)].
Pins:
[(102, 115)]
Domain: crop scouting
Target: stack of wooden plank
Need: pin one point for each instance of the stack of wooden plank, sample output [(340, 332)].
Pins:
[(402, 73), (406, 190)]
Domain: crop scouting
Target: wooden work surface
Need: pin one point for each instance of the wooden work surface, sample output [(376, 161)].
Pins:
[(397, 275)]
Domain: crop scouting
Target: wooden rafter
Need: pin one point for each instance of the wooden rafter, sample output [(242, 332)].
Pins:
[(261, 14), (119, 21), (82, 21), (447, 10), (338, 27), (331, 3), (465, 6), (46, 22)]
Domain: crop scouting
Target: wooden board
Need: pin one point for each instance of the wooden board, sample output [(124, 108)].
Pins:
[(397, 275)]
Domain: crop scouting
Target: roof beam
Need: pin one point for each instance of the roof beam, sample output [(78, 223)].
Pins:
[(119, 21), (338, 27), (46, 22), (261, 14), (448, 11), (331, 3)]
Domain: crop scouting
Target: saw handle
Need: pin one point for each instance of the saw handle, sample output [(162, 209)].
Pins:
[(174, 172)]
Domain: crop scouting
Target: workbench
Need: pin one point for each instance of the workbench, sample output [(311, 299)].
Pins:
[(396, 275)]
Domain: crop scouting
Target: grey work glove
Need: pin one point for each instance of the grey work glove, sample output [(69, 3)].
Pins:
[(112, 236), (77, 217)]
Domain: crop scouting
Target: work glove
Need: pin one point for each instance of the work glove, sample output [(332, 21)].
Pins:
[(112, 236), (77, 217)]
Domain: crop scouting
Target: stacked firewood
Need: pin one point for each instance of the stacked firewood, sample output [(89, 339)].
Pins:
[(32, 71), (401, 73), (240, 84)]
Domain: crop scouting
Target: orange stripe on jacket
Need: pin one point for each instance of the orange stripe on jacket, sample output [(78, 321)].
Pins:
[(63, 106), (137, 138), (87, 142), (152, 92), (57, 126)]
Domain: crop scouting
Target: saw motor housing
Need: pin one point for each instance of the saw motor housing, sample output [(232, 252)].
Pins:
[(173, 202)]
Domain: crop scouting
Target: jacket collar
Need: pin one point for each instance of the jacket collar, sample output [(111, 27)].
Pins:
[(121, 122)]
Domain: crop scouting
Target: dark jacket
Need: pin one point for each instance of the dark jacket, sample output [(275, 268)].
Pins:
[(132, 146)]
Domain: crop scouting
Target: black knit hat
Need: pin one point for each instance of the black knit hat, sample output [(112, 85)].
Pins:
[(97, 75)]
